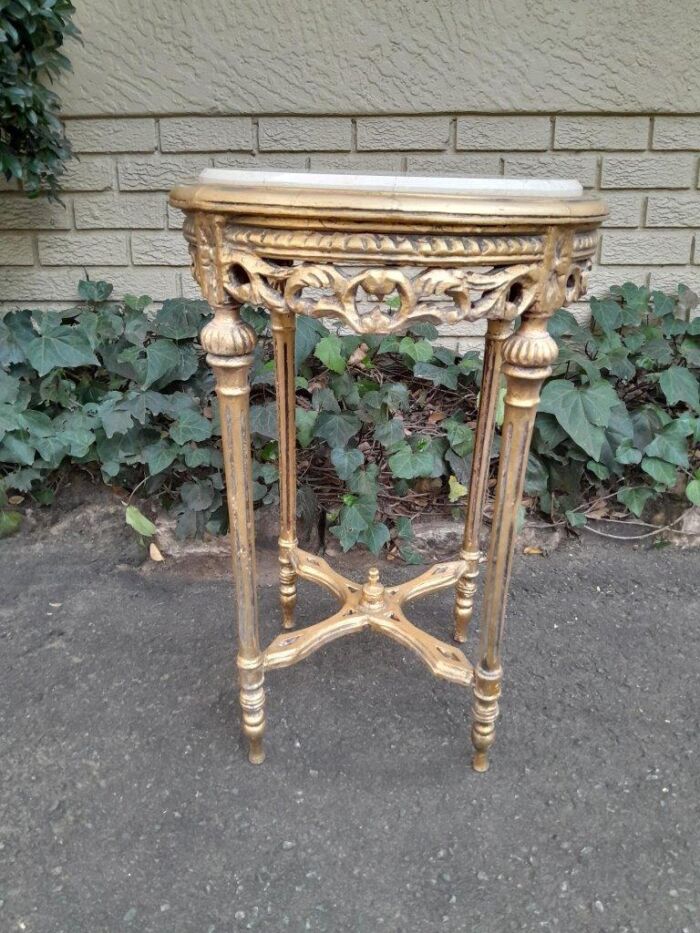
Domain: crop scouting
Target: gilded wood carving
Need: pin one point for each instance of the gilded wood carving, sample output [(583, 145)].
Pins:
[(375, 269)]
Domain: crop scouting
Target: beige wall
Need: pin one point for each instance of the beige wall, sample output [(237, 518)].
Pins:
[(606, 93)]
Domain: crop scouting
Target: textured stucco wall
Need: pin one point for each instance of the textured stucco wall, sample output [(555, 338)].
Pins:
[(606, 93), (404, 56)]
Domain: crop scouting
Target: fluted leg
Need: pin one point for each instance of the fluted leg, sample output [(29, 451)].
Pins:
[(527, 358), (478, 484), (283, 331), (229, 344)]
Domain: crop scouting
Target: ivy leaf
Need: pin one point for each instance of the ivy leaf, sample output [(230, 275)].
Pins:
[(15, 450), (406, 463), (337, 427), (389, 344), (324, 400), (403, 526), (606, 313), (94, 292), (305, 423), (138, 521), (162, 356), (178, 318), (420, 351), (390, 432), (375, 536), (10, 523), (9, 387), (346, 462), (690, 349), (581, 410), (460, 436), (668, 447), (352, 524), (198, 495), (308, 332), (635, 298), (575, 519), (635, 498), (363, 483), (562, 322), (663, 304), (409, 553), (60, 346), (679, 385), (424, 329), (660, 470), (263, 420), (190, 426), (22, 480), (439, 375), (51, 449), (137, 303), (536, 476), (37, 423), (456, 489), (15, 333), (258, 318), (329, 351), (395, 395), (159, 456), (344, 387), (598, 469), (627, 453), (200, 456), (692, 491), (548, 431)]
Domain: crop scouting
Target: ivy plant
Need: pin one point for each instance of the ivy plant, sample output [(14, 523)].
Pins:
[(621, 411), (33, 146), (384, 424)]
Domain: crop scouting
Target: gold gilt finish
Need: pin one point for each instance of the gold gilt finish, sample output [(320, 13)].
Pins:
[(343, 254)]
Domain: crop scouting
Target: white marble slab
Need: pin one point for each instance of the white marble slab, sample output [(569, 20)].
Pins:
[(398, 184)]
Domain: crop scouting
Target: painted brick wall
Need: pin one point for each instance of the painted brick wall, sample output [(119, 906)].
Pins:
[(115, 222)]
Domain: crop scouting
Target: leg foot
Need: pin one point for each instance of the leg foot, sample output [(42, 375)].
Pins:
[(256, 752), (464, 603), (252, 697), (487, 690)]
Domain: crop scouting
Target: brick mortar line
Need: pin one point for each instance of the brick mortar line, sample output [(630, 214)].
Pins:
[(165, 114)]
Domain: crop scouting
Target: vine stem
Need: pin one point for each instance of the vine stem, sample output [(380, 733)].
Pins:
[(647, 534)]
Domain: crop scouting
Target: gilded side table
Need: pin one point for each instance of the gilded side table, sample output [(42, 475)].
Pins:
[(342, 246)]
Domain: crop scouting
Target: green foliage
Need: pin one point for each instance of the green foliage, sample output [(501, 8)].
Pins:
[(385, 429), (33, 147), (621, 409)]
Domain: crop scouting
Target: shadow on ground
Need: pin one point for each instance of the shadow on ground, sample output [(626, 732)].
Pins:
[(128, 804)]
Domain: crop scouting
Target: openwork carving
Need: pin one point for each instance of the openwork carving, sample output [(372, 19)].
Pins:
[(504, 293), (383, 300), (249, 264)]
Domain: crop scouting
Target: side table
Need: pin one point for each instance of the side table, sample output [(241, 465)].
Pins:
[(378, 253)]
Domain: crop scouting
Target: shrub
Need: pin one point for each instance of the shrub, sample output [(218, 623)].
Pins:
[(33, 147), (384, 424)]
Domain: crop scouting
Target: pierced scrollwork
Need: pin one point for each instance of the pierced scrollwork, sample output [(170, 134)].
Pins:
[(400, 299), (383, 300), (548, 271)]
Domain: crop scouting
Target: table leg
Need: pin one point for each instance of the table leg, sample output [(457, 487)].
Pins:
[(496, 333), (229, 344), (527, 358), (283, 332)]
